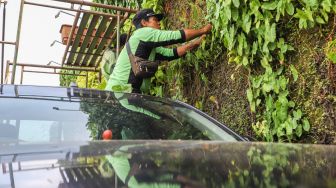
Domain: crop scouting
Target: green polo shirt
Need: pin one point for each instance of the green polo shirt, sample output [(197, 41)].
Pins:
[(147, 43)]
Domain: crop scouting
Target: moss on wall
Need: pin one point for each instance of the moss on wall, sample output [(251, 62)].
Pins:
[(314, 91), (223, 94), (225, 98)]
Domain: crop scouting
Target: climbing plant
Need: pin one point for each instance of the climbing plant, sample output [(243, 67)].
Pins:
[(249, 30), (156, 5), (67, 77), (120, 3), (330, 51)]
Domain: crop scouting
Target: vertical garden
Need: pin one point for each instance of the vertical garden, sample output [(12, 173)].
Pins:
[(267, 70)]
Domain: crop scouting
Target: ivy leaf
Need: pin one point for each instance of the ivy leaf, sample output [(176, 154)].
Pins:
[(236, 3), (303, 17), (302, 24), (158, 91), (265, 64), (227, 12), (294, 123), (196, 65), (279, 71), (282, 113), (218, 9), (283, 98), (297, 114), (254, 47), (311, 3), (267, 87), (269, 5), (276, 87), (291, 104), (249, 95), (234, 13), (241, 39), (290, 48), (280, 132), (325, 15), (269, 102), (273, 33), (289, 129), (253, 106), (309, 14), (160, 75), (256, 82), (231, 38), (306, 125), (245, 61), (320, 20), (298, 131), (227, 2), (332, 57), (294, 72), (254, 6), (283, 83), (326, 4), (289, 8), (246, 25)]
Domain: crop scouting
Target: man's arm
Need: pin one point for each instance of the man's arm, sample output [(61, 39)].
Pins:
[(174, 53), (156, 38), (194, 33), (182, 50), (166, 54)]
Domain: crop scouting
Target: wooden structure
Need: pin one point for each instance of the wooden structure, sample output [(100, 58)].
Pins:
[(86, 39)]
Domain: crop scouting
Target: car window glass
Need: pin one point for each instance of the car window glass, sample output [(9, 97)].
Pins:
[(31, 120)]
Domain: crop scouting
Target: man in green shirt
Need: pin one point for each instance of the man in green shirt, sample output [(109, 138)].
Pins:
[(149, 42)]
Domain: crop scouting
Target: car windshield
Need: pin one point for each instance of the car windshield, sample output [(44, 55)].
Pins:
[(47, 120)]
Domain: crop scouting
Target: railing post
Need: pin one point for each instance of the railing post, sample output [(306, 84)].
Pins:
[(118, 35), (87, 79), (3, 39), (17, 42), (7, 72), (21, 77)]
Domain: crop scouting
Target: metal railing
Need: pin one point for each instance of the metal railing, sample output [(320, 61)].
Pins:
[(81, 3)]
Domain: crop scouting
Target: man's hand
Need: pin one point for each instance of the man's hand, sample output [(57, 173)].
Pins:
[(182, 50), (191, 34), (206, 29), (198, 41)]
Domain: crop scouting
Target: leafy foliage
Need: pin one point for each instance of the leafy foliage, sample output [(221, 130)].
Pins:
[(67, 77), (248, 30), (92, 80), (121, 3), (330, 51), (156, 5)]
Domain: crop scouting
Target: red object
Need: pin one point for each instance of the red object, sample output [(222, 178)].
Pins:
[(107, 135)]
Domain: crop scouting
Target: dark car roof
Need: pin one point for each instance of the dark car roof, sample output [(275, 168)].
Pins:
[(78, 94), (170, 164)]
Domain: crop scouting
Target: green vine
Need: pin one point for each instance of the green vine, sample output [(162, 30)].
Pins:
[(249, 30), (330, 51), (156, 5), (135, 4)]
